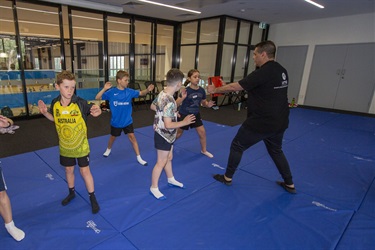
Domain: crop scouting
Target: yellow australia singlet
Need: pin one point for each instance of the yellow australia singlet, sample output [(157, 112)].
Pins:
[(71, 129)]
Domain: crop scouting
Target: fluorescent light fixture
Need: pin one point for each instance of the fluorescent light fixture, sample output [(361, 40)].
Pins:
[(89, 5), (314, 3), (169, 6)]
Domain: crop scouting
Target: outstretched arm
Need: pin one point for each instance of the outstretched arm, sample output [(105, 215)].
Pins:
[(107, 86), (231, 87), (95, 110), (44, 110), (207, 104), (148, 90)]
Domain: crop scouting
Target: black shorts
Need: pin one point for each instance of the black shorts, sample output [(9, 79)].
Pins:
[(68, 162), (161, 144), (198, 121), (117, 131), (3, 186)]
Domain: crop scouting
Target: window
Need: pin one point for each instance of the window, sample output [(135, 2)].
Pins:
[(116, 63), (209, 31), (230, 30), (164, 41), (118, 46), (189, 33)]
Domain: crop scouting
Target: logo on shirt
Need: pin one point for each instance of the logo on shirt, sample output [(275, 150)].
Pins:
[(117, 103), (74, 112), (284, 82)]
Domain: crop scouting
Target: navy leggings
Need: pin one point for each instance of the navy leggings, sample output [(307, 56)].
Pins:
[(245, 138)]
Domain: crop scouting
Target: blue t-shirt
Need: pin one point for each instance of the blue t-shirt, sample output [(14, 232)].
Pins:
[(193, 100), (120, 103)]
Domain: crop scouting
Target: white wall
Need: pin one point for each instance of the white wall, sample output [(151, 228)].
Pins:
[(339, 30)]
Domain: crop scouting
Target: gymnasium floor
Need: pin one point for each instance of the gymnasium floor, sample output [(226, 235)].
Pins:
[(332, 159)]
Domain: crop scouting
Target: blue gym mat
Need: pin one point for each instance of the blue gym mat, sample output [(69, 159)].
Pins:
[(251, 214), (36, 192), (359, 234), (303, 121), (332, 160)]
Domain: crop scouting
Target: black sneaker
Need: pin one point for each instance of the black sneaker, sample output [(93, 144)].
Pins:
[(94, 204), (288, 189), (220, 178), (68, 199)]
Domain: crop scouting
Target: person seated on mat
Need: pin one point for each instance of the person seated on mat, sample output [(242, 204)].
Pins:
[(5, 206), (267, 114), (69, 113), (195, 97), (120, 104), (165, 126)]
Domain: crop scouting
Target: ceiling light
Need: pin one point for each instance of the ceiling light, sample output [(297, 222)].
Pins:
[(169, 6), (314, 3), (89, 5)]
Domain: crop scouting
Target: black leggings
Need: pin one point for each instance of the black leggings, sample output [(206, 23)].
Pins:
[(245, 138)]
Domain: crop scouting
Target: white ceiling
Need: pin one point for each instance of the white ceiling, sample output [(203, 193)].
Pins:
[(269, 11)]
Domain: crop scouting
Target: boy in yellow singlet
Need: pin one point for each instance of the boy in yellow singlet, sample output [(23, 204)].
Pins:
[(69, 112)]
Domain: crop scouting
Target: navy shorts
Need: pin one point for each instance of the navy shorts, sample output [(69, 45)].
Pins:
[(3, 186), (68, 161), (198, 121), (117, 131), (161, 143)]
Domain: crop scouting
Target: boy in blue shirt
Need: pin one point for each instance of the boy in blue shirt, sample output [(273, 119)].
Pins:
[(120, 103)]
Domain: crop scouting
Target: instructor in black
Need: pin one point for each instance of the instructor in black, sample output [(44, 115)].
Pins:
[(267, 114)]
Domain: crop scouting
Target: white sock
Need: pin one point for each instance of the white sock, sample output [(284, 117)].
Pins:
[(141, 161), (155, 192), (14, 231), (107, 152), (208, 154), (173, 182)]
